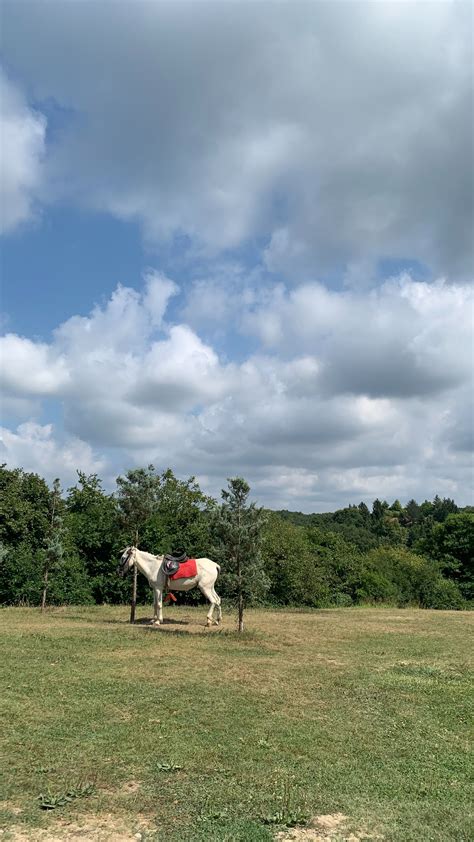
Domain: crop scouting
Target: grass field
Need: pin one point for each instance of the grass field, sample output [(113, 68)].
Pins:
[(356, 719)]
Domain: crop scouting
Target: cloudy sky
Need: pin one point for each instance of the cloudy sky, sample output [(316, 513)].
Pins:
[(237, 239)]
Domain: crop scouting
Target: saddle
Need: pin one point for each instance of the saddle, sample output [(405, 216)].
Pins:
[(172, 561)]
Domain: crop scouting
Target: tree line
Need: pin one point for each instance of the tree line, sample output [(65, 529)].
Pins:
[(62, 547)]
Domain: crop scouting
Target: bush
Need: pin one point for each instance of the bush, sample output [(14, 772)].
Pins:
[(341, 600), (21, 582), (441, 593), (451, 544), (21, 579), (297, 576), (69, 584), (338, 564), (400, 577), (373, 586)]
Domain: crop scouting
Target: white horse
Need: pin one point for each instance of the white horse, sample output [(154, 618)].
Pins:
[(152, 567)]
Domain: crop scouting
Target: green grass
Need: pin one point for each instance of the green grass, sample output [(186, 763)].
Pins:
[(187, 734)]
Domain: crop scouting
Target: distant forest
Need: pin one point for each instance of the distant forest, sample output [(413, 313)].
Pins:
[(420, 554)]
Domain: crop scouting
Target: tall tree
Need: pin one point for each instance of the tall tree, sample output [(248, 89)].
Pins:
[(137, 496), (181, 517), (93, 521), (411, 513), (24, 507), (238, 530), (451, 544), (54, 552)]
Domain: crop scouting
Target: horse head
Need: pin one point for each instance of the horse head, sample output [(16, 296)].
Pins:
[(127, 560)]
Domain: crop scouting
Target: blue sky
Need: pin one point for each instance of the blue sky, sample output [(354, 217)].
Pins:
[(63, 263), (240, 243)]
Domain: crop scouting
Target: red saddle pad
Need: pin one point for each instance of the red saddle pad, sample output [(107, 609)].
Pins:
[(187, 570)]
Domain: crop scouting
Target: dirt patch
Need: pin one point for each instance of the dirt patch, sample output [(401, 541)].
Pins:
[(324, 829), (130, 786), (102, 828), (127, 788), (11, 807), (331, 821)]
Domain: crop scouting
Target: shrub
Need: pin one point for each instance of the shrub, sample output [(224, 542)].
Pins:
[(69, 584), (21, 579), (373, 586), (400, 577), (292, 564), (442, 594)]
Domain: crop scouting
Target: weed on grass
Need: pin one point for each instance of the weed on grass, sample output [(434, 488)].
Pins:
[(289, 812), (222, 830), (52, 800), (167, 767)]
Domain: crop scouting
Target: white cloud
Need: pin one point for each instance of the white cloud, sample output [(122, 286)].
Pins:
[(216, 300), (351, 394), (336, 133), (179, 372), (37, 448), (403, 339), (159, 290), (30, 368), (22, 148)]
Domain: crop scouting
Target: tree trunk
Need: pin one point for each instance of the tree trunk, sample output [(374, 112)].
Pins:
[(45, 588), (48, 559), (133, 602), (241, 612), (240, 593)]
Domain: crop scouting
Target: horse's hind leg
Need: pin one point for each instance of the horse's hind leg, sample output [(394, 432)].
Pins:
[(218, 603), (211, 597)]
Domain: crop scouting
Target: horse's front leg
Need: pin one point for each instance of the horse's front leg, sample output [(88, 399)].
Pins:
[(158, 606), (208, 594), (155, 607)]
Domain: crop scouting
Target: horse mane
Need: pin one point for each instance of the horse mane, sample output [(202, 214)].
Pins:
[(151, 556)]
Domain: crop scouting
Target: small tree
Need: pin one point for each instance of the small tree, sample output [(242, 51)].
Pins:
[(238, 531), (54, 550), (137, 499)]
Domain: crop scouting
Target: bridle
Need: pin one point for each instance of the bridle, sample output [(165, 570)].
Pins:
[(125, 561)]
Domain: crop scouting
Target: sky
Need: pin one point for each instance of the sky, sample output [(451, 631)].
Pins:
[(236, 239)]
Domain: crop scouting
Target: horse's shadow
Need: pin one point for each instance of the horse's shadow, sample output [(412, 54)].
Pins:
[(168, 627), (147, 621)]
